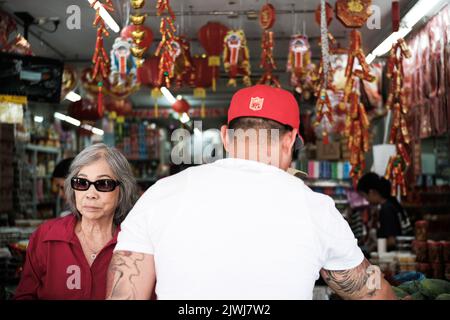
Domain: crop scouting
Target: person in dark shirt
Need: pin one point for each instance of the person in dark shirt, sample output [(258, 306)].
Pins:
[(392, 218)]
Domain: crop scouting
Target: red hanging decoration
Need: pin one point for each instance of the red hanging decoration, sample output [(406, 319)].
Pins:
[(203, 78), (398, 104), (236, 57), (211, 37), (166, 49), (100, 58), (267, 20)]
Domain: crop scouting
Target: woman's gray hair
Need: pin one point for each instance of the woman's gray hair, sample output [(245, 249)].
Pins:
[(128, 191)]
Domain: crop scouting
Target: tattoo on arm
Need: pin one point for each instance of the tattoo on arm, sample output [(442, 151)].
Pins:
[(122, 272), (357, 283)]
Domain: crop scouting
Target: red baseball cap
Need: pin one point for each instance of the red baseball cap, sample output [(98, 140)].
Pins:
[(263, 101)]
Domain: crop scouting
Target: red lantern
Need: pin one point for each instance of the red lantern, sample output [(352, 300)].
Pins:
[(203, 73), (148, 74), (211, 37), (140, 34), (181, 106), (203, 78)]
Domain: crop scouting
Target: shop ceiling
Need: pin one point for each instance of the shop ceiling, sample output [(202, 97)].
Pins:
[(76, 46)]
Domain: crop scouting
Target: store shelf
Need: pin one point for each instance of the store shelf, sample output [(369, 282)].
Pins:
[(328, 183), (42, 149)]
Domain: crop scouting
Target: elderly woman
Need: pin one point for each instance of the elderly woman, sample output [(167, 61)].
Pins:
[(68, 257)]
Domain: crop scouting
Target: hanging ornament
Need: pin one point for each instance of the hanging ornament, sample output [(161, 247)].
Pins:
[(353, 13), (181, 106), (141, 35), (236, 57), (356, 66), (123, 64), (211, 37), (69, 81), (167, 50), (397, 103), (100, 58), (357, 133), (266, 21), (148, 75), (183, 66), (300, 66), (324, 108), (203, 78)]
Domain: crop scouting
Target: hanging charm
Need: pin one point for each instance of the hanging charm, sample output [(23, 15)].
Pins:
[(100, 58), (236, 57), (167, 49)]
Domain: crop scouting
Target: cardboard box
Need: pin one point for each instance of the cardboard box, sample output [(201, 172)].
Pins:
[(330, 151)]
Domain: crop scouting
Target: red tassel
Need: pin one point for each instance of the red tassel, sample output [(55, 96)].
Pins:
[(100, 99)]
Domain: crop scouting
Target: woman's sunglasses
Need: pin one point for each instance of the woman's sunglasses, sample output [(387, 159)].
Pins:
[(103, 185)]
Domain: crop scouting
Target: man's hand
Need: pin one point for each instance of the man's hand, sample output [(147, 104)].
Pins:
[(131, 276), (365, 282)]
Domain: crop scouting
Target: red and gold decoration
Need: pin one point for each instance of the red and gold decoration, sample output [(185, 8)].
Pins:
[(211, 37), (356, 57), (7, 26), (236, 57), (397, 103), (300, 66), (142, 36), (357, 132), (183, 65), (267, 20), (123, 65), (167, 50), (100, 58), (203, 78), (181, 106), (353, 13), (148, 75), (324, 108), (69, 81)]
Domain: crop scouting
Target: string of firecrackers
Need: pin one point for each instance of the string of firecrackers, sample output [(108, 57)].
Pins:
[(357, 131), (266, 21), (324, 109), (357, 123), (167, 49), (100, 58), (353, 14), (399, 134), (236, 57)]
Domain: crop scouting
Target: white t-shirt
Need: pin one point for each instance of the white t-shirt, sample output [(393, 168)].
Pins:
[(238, 229)]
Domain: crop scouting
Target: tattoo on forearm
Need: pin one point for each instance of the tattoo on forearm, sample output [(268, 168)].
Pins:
[(122, 269), (352, 284)]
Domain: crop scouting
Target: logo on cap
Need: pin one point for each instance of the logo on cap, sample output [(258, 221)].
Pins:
[(256, 103)]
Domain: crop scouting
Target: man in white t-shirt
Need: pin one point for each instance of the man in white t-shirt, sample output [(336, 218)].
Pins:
[(241, 227)]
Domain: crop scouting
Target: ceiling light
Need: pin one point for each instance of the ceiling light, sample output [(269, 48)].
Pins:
[(105, 15), (73, 96)]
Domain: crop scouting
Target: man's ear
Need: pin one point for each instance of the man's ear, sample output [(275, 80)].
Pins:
[(224, 137), (288, 140)]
